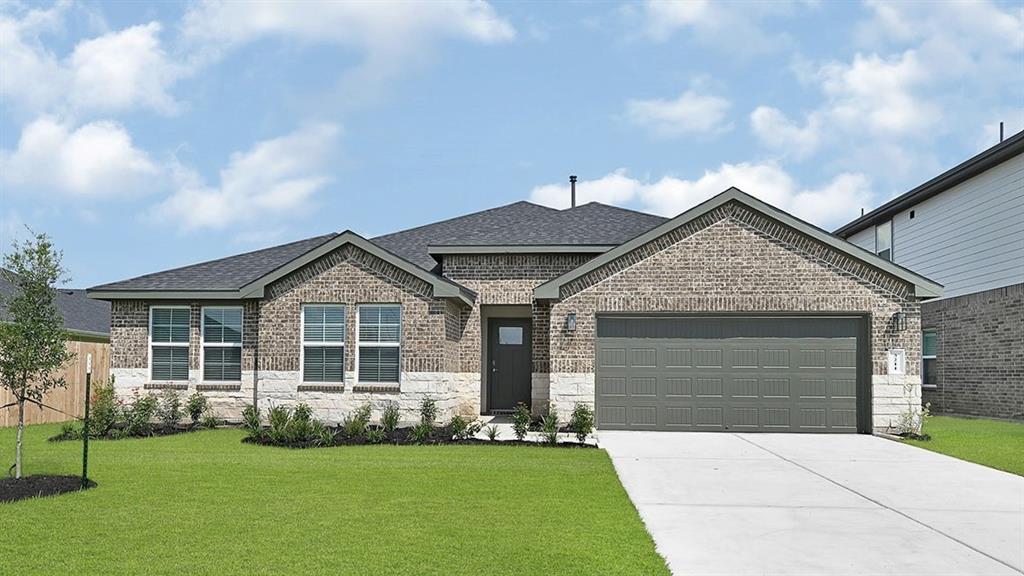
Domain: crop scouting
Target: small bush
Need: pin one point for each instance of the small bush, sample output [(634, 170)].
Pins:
[(390, 417), (168, 409), (428, 411), (582, 421), (69, 431), (209, 421), (251, 419), (321, 434), (278, 417), (549, 426), (300, 425), (492, 432), (356, 423), (421, 432), (196, 405), (138, 415), (457, 425), (104, 411), (521, 420), (376, 435)]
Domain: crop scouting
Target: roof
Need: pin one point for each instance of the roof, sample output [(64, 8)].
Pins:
[(990, 158), (235, 283), (925, 288), (81, 314)]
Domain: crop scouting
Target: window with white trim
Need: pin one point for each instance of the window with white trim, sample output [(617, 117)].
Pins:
[(222, 343), (379, 334), (929, 356), (883, 240), (168, 343), (323, 343)]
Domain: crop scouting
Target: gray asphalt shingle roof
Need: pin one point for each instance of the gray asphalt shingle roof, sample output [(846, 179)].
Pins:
[(519, 223), (79, 311)]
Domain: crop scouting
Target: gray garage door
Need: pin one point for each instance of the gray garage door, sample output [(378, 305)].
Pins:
[(782, 374)]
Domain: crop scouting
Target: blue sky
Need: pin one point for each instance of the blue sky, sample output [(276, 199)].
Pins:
[(144, 136)]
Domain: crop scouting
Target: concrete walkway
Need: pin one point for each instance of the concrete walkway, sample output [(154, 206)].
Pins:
[(830, 505)]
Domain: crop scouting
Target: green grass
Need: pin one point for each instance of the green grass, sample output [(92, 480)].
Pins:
[(994, 443), (204, 503)]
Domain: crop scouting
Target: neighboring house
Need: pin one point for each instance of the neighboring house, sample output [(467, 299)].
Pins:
[(87, 322), (964, 229), (732, 316)]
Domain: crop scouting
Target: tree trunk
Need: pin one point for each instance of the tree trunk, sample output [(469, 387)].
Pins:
[(21, 432)]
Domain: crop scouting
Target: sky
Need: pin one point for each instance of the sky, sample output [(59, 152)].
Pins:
[(145, 136)]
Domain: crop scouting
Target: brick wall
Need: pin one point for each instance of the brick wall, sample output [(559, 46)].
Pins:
[(980, 356)]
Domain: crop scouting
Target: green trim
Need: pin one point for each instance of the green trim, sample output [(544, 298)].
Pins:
[(87, 336), (521, 249), (924, 287)]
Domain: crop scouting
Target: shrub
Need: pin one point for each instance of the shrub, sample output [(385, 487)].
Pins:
[(321, 434), (463, 429), (492, 432), (390, 417), (421, 432), (196, 405), (582, 421), (549, 426), (251, 419), (68, 431), (376, 435), (209, 421), (168, 409), (521, 420), (138, 415), (104, 411), (428, 411), (278, 418), (356, 423), (300, 425)]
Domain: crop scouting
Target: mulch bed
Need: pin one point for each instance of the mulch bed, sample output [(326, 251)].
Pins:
[(912, 436), (12, 489), (404, 437), (118, 433)]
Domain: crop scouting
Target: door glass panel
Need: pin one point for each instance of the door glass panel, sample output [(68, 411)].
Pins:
[(510, 335)]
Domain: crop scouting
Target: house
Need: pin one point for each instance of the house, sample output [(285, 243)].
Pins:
[(965, 229), (87, 324), (731, 316)]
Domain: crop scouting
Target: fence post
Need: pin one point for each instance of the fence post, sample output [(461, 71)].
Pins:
[(85, 422)]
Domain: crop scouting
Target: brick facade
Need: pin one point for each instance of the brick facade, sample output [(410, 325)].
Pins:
[(980, 356)]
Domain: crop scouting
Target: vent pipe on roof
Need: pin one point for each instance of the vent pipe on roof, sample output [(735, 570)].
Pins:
[(572, 190), (1000, 131)]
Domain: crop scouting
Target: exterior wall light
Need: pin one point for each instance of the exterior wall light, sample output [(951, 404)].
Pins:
[(899, 321), (570, 322)]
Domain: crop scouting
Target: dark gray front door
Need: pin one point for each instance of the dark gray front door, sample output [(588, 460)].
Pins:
[(510, 363), (784, 374)]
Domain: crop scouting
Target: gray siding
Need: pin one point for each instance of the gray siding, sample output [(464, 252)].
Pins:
[(969, 238), (865, 239)]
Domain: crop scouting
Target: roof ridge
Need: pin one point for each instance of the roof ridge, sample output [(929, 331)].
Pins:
[(622, 208), (454, 218), (323, 237)]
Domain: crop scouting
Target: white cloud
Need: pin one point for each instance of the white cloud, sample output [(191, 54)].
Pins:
[(116, 71), (273, 180), (827, 206), (97, 159), (738, 28), (691, 113), (778, 132), (389, 34)]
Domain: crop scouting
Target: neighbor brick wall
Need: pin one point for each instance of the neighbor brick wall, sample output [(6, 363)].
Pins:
[(980, 359)]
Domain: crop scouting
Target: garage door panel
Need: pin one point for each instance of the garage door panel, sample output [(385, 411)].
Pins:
[(800, 384)]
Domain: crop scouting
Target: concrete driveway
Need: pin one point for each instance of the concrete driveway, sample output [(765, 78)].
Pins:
[(818, 504)]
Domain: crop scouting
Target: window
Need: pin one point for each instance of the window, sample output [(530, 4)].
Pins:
[(323, 343), (510, 335), (168, 342), (222, 344), (379, 333), (929, 353), (883, 240)]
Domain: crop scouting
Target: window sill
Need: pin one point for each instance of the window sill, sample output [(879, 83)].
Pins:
[(220, 386), (321, 387), (165, 386), (375, 387)]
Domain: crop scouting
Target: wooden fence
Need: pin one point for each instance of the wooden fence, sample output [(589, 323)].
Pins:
[(70, 399)]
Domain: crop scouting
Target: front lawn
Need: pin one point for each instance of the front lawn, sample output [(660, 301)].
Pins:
[(994, 443), (205, 503)]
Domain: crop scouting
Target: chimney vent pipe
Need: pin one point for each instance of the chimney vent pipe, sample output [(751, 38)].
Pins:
[(572, 189)]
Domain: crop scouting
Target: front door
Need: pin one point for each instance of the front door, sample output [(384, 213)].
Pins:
[(510, 363)]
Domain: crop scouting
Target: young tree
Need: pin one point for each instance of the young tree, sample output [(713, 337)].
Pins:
[(32, 335)]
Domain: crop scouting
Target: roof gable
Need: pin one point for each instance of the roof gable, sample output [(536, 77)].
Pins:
[(923, 286)]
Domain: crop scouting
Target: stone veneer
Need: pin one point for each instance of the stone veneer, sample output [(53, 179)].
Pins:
[(729, 260), (980, 357)]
